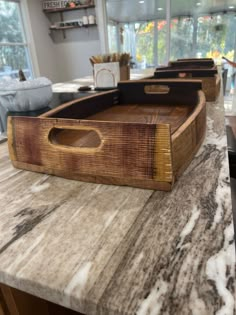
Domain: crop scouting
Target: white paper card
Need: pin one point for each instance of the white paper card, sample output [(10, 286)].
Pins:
[(106, 74)]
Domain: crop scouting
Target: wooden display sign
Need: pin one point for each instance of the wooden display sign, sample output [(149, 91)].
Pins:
[(64, 3), (51, 5), (60, 4)]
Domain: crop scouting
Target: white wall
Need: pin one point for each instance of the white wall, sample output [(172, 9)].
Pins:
[(62, 59), (44, 47), (73, 58), (79, 44)]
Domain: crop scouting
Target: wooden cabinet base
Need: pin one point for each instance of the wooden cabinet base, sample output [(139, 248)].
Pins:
[(15, 302)]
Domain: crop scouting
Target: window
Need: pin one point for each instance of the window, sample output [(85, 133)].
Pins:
[(181, 44), (139, 28), (113, 41), (14, 54), (154, 31), (214, 35)]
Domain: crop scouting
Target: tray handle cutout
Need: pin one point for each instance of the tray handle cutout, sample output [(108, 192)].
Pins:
[(184, 75), (156, 89), (84, 139)]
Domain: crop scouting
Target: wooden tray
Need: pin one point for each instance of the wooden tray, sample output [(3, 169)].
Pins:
[(143, 134), (193, 63), (209, 77), (197, 59)]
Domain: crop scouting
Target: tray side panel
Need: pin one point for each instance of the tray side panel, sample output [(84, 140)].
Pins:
[(23, 140), (163, 159), (186, 142), (210, 85), (171, 72), (200, 64), (127, 151), (84, 107), (133, 92)]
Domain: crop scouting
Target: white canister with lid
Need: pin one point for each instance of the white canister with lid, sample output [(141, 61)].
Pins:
[(91, 19), (85, 20)]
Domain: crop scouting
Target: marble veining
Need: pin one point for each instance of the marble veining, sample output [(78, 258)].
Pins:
[(114, 250), (218, 270), (3, 137)]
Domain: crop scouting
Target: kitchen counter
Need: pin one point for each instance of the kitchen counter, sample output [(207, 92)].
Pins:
[(64, 92), (101, 249), (73, 85)]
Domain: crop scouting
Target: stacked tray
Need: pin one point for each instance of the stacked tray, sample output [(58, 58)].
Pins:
[(143, 134), (193, 63), (195, 69)]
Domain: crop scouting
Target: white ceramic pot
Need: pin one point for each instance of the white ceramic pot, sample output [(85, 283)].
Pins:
[(85, 20), (91, 19), (25, 96)]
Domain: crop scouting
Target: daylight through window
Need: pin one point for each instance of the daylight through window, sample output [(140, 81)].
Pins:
[(14, 54)]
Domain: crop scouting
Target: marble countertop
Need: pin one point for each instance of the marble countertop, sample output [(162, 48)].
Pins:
[(117, 250), (72, 86)]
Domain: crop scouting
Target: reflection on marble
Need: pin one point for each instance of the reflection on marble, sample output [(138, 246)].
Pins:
[(230, 104), (3, 137), (117, 250), (72, 86)]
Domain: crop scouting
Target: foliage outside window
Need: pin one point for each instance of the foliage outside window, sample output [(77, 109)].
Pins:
[(144, 43), (113, 44), (215, 36), (13, 47), (190, 37), (181, 44), (138, 39)]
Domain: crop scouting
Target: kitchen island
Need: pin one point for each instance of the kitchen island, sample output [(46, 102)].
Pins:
[(100, 249)]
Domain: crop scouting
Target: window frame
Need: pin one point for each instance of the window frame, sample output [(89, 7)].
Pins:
[(28, 41)]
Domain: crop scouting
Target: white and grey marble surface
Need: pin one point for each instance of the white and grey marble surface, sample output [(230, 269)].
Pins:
[(3, 137), (73, 85), (117, 250)]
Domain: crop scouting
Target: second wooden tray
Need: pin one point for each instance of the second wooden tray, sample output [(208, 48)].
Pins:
[(209, 77)]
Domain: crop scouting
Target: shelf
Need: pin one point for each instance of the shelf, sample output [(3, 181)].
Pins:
[(61, 10), (81, 7), (59, 28)]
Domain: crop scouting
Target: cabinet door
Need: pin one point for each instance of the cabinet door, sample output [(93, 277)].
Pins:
[(15, 302), (3, 308), (19, 303)]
